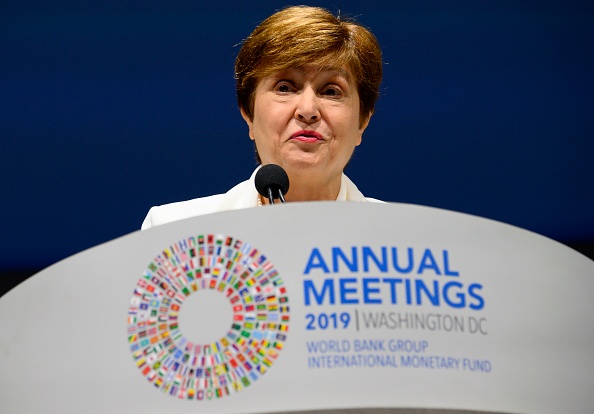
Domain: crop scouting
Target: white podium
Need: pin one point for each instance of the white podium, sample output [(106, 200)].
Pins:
[(306, 306)]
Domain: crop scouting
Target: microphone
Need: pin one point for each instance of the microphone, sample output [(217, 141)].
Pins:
[(272, 182)]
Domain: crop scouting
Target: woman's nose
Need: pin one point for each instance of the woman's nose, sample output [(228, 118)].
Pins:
[(307, 109)]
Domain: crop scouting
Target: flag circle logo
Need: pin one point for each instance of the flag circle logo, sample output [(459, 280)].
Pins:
[(179, 367)]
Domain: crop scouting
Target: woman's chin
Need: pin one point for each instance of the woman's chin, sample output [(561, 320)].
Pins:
[(303, 164)]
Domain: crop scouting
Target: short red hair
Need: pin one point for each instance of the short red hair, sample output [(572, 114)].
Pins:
[(299, 36)]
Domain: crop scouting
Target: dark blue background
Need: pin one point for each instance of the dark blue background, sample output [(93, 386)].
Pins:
[(108, 108)]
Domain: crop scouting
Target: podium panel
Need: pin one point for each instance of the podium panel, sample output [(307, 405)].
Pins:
[(348, 307)]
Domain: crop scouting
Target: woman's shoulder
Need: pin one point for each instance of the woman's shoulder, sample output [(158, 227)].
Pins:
[(243, 195), (373, 200), (180, 210)]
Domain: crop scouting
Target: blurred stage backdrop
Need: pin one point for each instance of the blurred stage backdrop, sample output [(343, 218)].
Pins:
[(110, 107)]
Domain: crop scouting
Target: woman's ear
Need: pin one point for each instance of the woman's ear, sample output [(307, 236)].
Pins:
[(365, 122), (362, 127), (249, 123)]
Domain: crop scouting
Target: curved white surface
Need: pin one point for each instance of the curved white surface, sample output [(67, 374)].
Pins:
[(521, 341)]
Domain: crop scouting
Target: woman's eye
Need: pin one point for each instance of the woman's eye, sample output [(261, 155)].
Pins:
[(332, 91), (283, 87)]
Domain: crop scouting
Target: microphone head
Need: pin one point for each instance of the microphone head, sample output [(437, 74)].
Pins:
[(273, 176)]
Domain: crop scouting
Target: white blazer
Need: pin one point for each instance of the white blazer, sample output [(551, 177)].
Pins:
[(243, 195)]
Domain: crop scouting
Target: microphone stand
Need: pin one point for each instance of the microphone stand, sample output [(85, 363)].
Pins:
[(271, 197)]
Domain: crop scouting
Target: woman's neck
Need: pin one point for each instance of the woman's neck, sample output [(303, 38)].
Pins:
[(316, 188)]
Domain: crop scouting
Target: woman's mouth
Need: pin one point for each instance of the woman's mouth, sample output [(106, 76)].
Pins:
[(307, 136)]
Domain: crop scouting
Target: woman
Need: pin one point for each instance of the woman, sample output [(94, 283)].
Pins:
[(307, 83)]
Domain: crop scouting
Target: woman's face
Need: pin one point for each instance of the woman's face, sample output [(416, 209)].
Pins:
[(306, 120)]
